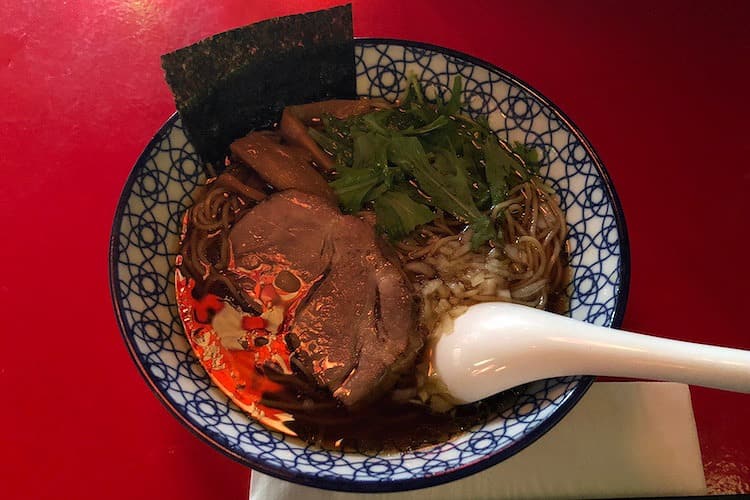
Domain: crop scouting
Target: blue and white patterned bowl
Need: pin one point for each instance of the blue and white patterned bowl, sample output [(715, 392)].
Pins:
[(144, 242)]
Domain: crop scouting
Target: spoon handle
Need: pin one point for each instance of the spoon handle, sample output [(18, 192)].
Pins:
[(624, 354)]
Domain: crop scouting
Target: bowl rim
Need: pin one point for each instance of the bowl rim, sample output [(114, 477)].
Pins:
[(347, 485)]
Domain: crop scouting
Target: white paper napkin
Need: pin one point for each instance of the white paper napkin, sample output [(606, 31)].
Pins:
[(623, 439)]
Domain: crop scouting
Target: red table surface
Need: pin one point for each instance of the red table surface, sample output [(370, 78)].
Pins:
[(659, 88)]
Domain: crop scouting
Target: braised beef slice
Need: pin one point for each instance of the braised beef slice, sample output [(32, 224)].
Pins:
[(356, 328)]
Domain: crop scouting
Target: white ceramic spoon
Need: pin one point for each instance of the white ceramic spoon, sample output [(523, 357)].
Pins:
[(496, 346)]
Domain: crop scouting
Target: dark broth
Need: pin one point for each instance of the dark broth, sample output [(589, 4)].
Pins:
[(387, 425)]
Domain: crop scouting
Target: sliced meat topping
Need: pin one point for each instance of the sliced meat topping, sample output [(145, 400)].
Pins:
[(355, 330)]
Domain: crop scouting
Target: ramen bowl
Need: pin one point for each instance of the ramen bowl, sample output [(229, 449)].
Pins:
[(163, 184)]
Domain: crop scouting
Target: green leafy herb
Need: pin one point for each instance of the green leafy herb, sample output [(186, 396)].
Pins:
[(499, 167), (484, 230), (439, 122), (446, 181), (353, 185), (454, 103), (422, 156), (398, 214), (371, 151), (529, 156)]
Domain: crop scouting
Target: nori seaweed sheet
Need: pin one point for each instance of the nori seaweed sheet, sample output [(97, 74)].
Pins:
[(240, 80)]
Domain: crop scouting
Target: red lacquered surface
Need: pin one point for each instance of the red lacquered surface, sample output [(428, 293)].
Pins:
[(659, 88)]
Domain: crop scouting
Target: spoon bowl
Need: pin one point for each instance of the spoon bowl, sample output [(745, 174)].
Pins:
[(495, 346)]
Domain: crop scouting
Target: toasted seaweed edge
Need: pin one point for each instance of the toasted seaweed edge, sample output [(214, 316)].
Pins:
[(236, 81)]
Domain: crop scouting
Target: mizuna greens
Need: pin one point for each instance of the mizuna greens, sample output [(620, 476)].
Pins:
[(424, 155)]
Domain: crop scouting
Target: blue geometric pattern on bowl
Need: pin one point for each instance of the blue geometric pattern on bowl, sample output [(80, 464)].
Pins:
[(143, 250)]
